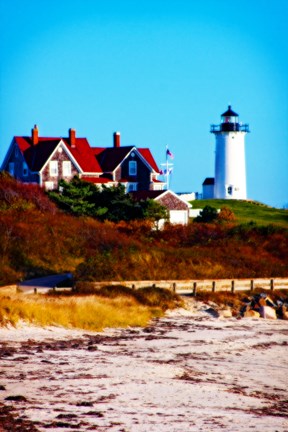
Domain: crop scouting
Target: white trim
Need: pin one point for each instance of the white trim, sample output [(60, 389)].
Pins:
[(61, 142), (140, 157), (175, 195)]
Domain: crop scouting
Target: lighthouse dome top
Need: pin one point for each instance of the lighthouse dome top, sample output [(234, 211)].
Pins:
[(229, 123), (230, 113)]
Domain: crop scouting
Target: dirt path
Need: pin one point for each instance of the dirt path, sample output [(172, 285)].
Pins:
[(187, 372)]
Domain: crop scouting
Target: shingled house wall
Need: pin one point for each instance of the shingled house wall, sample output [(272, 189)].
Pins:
[(60, 157)]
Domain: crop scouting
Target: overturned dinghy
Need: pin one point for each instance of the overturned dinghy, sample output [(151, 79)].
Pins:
[(59, 282)]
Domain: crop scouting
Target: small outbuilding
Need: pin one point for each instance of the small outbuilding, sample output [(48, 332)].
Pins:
[(178, 208), (208, 188)]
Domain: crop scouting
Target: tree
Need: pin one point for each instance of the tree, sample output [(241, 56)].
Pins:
[(77, 197), (153, 210), (82, 198), (208, 214)]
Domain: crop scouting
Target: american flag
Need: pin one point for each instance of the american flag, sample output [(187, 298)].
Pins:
[(169, 153)]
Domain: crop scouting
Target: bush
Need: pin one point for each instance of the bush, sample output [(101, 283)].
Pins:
[(208, 214)]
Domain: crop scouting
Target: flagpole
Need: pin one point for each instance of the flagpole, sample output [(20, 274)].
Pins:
[(167, 172)]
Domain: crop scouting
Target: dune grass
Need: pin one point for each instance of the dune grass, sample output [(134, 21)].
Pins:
[(92, 312)]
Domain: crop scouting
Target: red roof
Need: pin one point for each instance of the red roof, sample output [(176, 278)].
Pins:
[(97, 180), (145, 152), (90, 159), (37, 155), (110, 157)]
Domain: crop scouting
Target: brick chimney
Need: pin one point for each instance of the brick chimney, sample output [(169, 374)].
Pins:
[(35, 138), (116, 137), (72, 137)]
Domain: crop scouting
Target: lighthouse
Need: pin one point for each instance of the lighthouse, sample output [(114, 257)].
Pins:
[(230, 166)]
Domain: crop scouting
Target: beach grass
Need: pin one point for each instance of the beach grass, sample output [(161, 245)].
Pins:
[(92, 312)]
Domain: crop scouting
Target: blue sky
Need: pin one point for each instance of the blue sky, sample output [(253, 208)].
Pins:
[(160, 72)]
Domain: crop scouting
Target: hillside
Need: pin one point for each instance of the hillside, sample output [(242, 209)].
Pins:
[(247, 211), (38, 239)]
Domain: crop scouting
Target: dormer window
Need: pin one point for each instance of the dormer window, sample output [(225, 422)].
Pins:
[(132, 168)]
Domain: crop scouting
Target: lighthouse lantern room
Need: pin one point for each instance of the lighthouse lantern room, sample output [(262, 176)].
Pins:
[(230, 167)]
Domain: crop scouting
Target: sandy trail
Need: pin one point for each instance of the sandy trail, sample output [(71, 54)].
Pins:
[(186, 372)]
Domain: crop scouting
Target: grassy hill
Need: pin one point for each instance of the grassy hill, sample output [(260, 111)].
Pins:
[(247, 211), (37, 239)]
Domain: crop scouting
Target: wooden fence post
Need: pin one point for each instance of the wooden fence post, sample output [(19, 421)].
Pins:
[(232, 286), (272, 284), (174, 287), (194, 288), (251, 285), (213, 286)]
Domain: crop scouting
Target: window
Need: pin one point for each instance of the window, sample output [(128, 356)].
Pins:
[(66, 168), (132, 168), (24, 169), (53, 168), (11, 168), (132, 187), (229, 190), (49, 185)]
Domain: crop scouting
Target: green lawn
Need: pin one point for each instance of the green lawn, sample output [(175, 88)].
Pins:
[(247, 211)]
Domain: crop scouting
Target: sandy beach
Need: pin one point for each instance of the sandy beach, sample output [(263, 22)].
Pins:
[(186, 372)]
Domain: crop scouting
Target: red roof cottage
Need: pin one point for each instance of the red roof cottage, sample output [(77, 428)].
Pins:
[(46, 160)]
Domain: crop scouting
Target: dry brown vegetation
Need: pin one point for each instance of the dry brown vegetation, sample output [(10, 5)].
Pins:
[(37, 239), (88, 310)]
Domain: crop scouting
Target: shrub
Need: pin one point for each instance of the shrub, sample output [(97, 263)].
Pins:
[(226, 215), (208, 214)]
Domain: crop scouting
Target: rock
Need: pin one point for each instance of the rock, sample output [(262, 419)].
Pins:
[(268, 312), (284, 313), (250, 313), (213, 312), (225, 313), (17, 398)]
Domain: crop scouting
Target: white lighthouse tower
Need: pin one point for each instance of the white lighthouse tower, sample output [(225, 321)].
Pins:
[(230, 167)]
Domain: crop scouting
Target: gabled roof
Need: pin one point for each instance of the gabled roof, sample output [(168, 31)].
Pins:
[(146, 153), (163, 194), (109, 158), (146, 194), (37, 155)]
